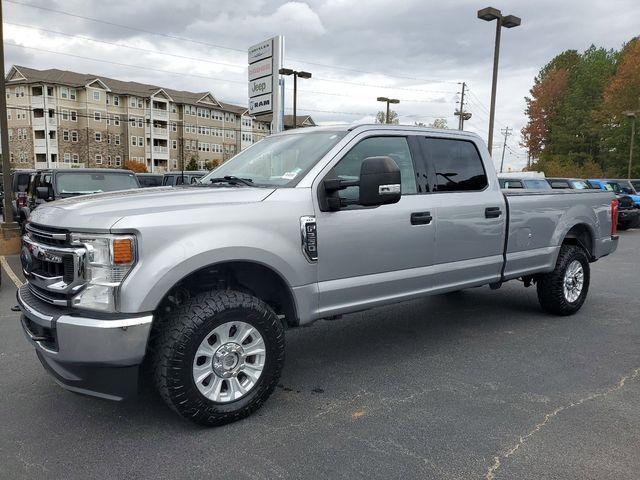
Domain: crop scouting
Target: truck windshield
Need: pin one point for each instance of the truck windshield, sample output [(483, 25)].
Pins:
[(84, 183), (636, 185), (278, 161)]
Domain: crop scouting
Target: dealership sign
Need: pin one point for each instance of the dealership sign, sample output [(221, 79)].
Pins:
[(264, 89)]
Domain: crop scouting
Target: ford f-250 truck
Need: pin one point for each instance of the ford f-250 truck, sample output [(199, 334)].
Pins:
[(194, 285)]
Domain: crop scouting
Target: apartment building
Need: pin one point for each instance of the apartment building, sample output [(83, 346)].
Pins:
[(60, 118)]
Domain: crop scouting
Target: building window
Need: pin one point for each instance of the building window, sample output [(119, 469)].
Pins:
[(65, 135), (118, 161), (107, 118), (132, 121), (74, 136), (140, 141), (98, 137), (116, 100), (8, 114), (73, 115), (23, 157), (109, 138), (109, 160), (98, 159), (10, 132), (67, 158), (174, 144), (97, 116), (116, 139), (116, 119), (72, 94), (140, 122), (75, 158), (173, 108), (174, 127), (65, 115), (134, 141), (64, 93), (96, 95), (132, 102)]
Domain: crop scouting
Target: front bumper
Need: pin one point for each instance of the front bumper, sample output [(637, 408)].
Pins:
[(96, 356)]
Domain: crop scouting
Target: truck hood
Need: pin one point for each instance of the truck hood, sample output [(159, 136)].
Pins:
[(101, 211)]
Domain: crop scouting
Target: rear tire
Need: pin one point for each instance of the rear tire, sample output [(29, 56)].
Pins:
[(564, 290), (203, 365)]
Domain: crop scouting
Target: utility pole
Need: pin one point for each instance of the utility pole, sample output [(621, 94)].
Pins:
[(460, 112), (506, 131), (9, 229)]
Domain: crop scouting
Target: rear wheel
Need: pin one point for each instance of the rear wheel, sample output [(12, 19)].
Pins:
[(219, 357), (564, 290)]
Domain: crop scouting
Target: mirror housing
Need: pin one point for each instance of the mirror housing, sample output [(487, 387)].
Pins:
[(42, 193), (380, 182)]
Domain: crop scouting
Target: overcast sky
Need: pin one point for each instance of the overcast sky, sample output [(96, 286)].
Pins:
[(416, 51)]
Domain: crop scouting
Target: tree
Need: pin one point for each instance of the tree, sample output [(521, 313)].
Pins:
[(621, 94), (439, 123), (381, 117), (211, 165), (136, 167), (193, 164)]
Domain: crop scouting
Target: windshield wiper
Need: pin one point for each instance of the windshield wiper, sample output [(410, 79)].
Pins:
[(230, 179)]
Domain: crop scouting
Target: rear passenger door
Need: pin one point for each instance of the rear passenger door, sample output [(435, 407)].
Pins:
[(470, 214)]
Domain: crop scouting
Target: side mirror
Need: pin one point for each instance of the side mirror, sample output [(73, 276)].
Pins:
[(42, 193), (379, 182)]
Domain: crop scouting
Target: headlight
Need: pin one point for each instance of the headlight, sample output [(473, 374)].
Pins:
[(109, 259)]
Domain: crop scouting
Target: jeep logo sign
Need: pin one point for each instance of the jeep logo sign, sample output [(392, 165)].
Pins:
[(260, 86)]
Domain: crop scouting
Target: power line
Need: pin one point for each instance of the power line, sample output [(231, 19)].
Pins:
[(222, 47)]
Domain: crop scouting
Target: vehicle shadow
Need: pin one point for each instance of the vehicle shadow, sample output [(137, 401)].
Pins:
[(346, 345)]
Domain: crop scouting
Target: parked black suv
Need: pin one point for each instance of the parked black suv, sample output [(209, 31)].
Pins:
[(55, 184)]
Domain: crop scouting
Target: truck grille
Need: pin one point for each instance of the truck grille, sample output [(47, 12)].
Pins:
[(54, 269), (47, 235)]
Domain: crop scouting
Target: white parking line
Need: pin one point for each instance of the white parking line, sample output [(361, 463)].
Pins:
[(14, 278)]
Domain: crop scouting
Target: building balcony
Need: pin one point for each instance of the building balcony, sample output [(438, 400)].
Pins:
[(160, 132), (159, 152), (159, 113)]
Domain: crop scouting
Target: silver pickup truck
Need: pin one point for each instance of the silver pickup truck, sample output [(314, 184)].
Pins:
[(194, 286)]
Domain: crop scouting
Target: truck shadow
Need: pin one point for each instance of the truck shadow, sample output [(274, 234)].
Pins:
[(346, 346)]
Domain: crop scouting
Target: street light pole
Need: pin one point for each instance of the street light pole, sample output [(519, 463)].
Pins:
[(388, 101), (508, 21), (296, 74)]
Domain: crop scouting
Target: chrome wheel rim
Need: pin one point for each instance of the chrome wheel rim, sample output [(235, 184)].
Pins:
[(229, 362), (573, 281)]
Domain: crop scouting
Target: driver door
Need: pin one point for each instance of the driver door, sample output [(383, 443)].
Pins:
[(367, 255)]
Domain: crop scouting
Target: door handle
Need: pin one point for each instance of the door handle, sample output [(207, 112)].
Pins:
[(421, 218), (492, 212)]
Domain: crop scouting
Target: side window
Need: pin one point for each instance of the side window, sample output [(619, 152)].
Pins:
[(457, 164), (513, 184), (179, 180), (395, 147)]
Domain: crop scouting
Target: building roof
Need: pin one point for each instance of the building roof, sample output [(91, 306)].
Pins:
[(301, 120), (20, 74)]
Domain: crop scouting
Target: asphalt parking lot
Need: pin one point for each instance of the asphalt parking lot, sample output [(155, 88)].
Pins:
[(477, 384)]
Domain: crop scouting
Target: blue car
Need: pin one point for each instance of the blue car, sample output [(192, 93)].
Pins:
[(625, 187), (628, 210)]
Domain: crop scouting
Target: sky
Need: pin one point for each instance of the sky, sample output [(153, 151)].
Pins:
[(416, 51)]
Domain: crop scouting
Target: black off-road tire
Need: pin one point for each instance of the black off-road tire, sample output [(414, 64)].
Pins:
[(179, 338), (550, 285)]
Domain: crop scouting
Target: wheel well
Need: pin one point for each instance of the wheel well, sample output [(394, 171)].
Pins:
[(253, 278), (580, 235)]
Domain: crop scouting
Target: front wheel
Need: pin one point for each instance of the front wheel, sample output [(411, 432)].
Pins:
[(219, 357), (564, 290)]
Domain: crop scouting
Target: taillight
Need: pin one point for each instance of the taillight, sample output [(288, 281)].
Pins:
[(614, 217)]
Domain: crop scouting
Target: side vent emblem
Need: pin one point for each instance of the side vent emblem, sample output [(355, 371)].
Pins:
[(309, 238)]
